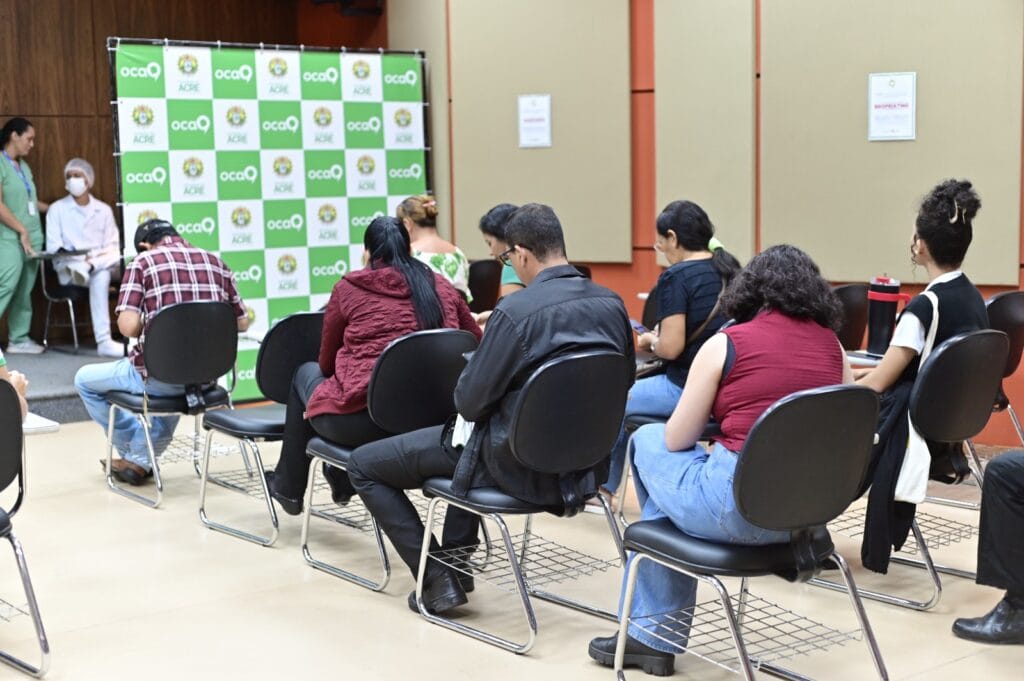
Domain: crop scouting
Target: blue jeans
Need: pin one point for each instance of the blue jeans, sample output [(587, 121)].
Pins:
[(693, 489), (93, 381), (652, 396)]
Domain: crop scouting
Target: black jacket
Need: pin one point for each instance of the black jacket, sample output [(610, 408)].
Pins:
[(561, 312)]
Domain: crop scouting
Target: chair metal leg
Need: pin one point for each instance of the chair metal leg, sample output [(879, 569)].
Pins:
[(627, 473), (74, 324), (741, 611), (927, 563), (627, 606), (226, 529), (37, 620), (1016, 422), (734, 629), (46, 324), (862, 617), (521, 588), (977, 473), (112, 484), (382, 554), (197, 453)]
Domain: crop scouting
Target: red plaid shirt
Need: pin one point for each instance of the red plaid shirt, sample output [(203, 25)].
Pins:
[(175, 271)]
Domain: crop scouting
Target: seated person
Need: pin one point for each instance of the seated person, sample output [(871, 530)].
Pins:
[(394, 296), (18, 380), (168, 270), (784, 342), (419, 215), (492, 226), (943, 231), (80, 221), (559, 312), (689, 313), (1000, 553)]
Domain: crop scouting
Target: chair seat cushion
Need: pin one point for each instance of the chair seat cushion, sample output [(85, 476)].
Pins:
[(214, 397), (662, 539), (485, 499), (265, 422), (329, 451)]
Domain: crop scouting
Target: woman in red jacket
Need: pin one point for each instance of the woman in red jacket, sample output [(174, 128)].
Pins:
[(393, 296)]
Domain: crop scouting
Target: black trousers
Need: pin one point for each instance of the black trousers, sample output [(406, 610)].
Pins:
[(381, 470), (349, 430), (1000, 549)]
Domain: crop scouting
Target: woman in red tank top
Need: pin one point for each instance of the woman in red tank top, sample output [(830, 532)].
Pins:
[(784, 341)]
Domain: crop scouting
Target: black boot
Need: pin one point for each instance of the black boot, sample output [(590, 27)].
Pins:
[(441, 592), (651, 660), (1005, 624)]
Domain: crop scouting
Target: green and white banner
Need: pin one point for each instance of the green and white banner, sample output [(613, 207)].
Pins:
[(275, 159)]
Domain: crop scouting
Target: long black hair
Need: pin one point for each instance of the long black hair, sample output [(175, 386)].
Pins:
[(387, 242), (13, 125), (785, 279), (693, 230), (946, 221)]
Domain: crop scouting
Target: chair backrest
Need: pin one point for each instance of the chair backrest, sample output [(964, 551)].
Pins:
[(806, 457), (13, 441), (649, 317), (413, 382), (484, 284), (294, 340), (854, 299), (191, 343), (953, 394), (1006, 314), (569, 412)]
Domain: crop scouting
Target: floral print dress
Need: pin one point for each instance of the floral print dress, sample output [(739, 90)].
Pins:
[(452, 266)]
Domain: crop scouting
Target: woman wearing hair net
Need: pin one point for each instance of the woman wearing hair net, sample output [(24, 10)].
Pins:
[(77, 222)]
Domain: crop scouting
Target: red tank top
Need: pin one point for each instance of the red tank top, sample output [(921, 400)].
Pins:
[(775, 355)]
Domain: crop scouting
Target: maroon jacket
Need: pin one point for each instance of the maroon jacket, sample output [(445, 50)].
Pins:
[(368, 309)]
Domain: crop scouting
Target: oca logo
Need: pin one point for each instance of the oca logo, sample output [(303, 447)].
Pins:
[(410, 77), (248, 174), (290, 124), (338, 269), (295, 222), (414, 172), (365, 220), (205, 226), (201, 124), (371, 125), (151, 70), (335, 172), (328, 76), (247, 374), (157, 175), (253, 274), (243, 72)]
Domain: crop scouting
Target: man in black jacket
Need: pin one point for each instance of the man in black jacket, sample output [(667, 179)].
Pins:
[(559, 312)]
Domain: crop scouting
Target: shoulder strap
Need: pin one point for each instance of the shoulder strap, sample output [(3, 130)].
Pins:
[(929, 341), (711, 315)]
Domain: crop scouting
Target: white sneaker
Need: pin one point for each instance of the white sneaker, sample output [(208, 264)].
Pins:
[(29, 347), (109, 348)]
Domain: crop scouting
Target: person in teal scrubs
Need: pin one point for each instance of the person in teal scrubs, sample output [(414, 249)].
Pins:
[(21, 233)]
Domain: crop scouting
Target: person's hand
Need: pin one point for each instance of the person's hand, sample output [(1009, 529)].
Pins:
[(645, 340), (19, 382), (26, 243), (482, 318)]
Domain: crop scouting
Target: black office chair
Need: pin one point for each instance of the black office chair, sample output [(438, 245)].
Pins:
[(951, 401), (1006, 314), (854, 299), (58, 294), (803, 463), (649, 316), (291, 342), (412, 386), (484, 284), (566, 419), (191, 344)]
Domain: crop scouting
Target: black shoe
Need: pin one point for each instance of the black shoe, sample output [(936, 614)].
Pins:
[(1005, 624), (441, 593), (125, 471), (287, 504), (651, 660), (342, 490)]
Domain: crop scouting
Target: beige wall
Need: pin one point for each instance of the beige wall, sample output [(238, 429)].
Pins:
[(704, 112), (576, 50), (850, 202), (421, 25)]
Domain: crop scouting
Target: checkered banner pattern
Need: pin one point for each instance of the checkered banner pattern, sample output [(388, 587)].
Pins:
[(275, 159)]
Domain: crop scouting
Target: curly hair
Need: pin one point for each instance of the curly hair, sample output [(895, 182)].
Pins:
[(946, 221), (785, 279)]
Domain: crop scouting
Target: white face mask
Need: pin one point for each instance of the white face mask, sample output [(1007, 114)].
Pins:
[(76, 186)]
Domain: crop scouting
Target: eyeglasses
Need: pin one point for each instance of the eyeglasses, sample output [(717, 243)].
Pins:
[(504, 256)]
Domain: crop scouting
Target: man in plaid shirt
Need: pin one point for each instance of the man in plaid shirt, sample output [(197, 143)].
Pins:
[(168, 270)]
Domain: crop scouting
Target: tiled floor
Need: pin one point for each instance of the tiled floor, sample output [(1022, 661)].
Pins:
[(132, 593)]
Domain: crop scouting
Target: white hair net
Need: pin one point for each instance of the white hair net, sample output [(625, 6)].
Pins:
[(84, 166)]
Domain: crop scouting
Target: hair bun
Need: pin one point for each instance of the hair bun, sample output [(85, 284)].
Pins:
[(959, 200)]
